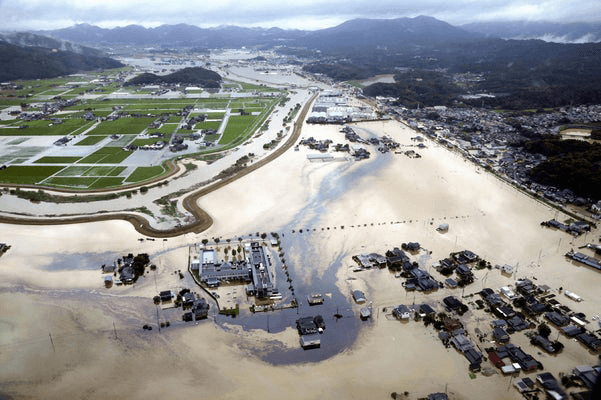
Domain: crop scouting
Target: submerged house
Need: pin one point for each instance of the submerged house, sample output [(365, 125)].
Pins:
[(402, 312)]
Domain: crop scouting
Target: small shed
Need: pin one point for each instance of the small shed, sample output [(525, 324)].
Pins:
[(442, 228), (310, 341), (365, 313), (359, 296)]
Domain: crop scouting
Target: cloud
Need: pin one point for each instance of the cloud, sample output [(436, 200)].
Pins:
[(303, 14)]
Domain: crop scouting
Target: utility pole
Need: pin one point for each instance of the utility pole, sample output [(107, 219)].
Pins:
[(158, 324), (51, 342), (115, 329)]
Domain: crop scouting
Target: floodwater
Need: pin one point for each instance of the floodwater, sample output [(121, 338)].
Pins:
[(342, 321), (80, 261)]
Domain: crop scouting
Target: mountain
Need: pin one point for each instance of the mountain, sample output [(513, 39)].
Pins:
[(192, 75), (27, 39), (547, 31), (180, 35), (390, 33), (31, 62), (394, 33)]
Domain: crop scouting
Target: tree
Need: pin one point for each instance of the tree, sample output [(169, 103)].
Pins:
[(205, 241), (544, 330)]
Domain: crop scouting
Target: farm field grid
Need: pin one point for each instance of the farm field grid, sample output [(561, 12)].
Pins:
[(88, 132)]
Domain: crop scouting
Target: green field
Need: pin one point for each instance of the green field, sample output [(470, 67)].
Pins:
[(106, 155), (46, 127), (57, 160), (104, 171), (122, 141), (109, 182), (73, 170), (27, 174), (82, 183), (18, 141), (211, 137), (90, 140), (21, 154), (143, 142), (145, 173), (125, 125), (236, 127), (208, 125), (167, 129)]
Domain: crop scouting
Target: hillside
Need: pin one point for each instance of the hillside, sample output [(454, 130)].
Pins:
[(192, 76), (37, 62)]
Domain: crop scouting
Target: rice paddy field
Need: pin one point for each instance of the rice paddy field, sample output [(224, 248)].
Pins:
[(70, 149)]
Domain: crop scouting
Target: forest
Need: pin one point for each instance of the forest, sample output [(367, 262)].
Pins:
[(571, 164), (193, 75), (520, 74)]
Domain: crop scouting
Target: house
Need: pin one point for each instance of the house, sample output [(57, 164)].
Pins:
[(494, 300), (589, 340), (450, 283), (452, 303), (310, 341), (517, 355), (165, 296), (425, 310), (535, 308), (200, 309), (188, 299), (395, 259), (462, 343), (127, 275), (517, 324), (475, 359), (551, 386), (465, 273), (498, 323), (557, 319), (306, 326), (364, 313), (442, 228), (587, 374), (525, 287), (314, 299), (524, 385), (402, 312), (571, 330), (422, 280), (495, 359), (500, 335), (507, 292), (109, 269), (359, 296), (412, 246), (543, 343), (507, 269)]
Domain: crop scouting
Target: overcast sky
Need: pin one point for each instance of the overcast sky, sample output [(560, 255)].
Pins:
[(302, 14)]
